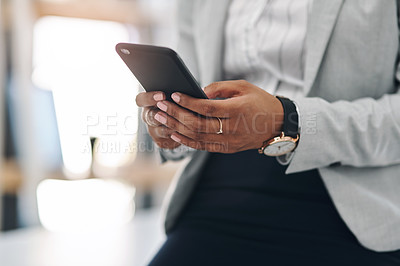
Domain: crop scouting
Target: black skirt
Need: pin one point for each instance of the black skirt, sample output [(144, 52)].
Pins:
[(246, 211)]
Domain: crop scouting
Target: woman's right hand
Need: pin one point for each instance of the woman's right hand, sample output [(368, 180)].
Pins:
[(160, 133)]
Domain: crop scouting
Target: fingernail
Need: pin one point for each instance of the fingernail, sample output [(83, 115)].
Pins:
[(160, 118), (175, 138), (162, 106), (158, 96), (175, 96)]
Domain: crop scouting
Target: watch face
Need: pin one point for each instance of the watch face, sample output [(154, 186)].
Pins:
[(279, 148)]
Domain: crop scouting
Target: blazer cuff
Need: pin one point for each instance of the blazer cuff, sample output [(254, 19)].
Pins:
[(359, 133), (299, 160)]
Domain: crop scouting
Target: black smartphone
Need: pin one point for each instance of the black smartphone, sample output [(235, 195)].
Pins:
[(159, 69)]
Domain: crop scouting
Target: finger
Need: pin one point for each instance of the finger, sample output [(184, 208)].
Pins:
[(191, 120), (224, 89), (146, 99), (148, 116), (162, 132), (205, 107), (177, 126), (162, 137), (199, 145)]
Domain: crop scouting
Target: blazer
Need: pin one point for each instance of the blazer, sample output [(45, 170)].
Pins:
[(349, 117)]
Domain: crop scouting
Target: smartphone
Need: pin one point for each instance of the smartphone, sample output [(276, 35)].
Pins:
[(159, 69)]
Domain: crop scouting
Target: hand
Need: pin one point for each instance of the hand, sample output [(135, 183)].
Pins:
[(160, 133), (249, 116)]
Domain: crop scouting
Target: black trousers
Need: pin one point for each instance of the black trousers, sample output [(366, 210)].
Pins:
[(246, 211)]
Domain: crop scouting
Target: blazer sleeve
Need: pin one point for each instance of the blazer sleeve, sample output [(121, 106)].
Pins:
[(187, 51), (361, 133)]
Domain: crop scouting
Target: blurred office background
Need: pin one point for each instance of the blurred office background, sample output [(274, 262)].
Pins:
[(76, 160)]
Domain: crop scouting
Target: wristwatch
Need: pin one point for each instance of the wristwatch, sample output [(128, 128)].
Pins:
[(287, 141)]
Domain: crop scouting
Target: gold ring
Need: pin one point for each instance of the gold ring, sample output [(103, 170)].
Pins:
[(220, 126)]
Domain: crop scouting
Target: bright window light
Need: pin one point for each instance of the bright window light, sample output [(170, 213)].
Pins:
[(114, 152), (84, 205), (93, 90)]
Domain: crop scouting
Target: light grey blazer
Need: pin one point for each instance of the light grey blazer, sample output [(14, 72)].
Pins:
[(350, 119)]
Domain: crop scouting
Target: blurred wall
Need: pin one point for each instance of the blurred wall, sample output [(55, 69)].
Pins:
[(31, 113)]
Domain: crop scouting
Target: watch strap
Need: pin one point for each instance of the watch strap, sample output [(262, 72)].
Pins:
[(290, 117)]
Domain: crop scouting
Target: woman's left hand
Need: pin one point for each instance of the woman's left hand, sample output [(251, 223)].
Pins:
[(249, 116)]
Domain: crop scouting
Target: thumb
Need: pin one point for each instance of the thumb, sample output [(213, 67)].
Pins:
[(223, 89)]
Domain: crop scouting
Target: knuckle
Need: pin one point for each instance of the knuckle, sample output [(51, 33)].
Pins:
[(172, 124), (198, 125), (202, 125), (167, 132), (191, 125), (213, 85), (208, 109), (242, 82), (190, 134), (186, 120), (195, 136), (173, 112), (199, 136)]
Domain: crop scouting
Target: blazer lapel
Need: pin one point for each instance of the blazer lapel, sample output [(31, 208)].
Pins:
[(321, 23)]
